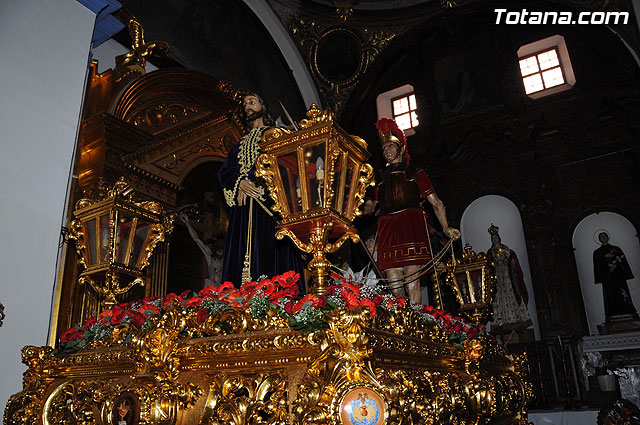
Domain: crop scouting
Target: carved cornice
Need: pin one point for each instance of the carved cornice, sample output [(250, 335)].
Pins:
[(614, 342)]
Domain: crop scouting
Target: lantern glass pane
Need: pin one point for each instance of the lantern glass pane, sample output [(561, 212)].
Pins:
[(123, 232), (314, 165), (104, 238), (142, 229), (351, 174), (463, 287), (90, 231), (338, 185), (475, 277), (288, 167)]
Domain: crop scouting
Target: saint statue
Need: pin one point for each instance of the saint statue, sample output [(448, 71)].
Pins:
[(611, 269), (251, 248), (510, 303)]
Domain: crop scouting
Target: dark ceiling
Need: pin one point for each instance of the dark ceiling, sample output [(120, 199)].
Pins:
[(223, 39)]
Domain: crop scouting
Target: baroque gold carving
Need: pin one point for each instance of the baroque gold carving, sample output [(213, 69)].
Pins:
[(24, 407), (265, 373), (163, 115), (310, 34), (259, 398)]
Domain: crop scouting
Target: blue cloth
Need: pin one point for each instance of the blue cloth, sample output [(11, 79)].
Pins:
[(269, 256)]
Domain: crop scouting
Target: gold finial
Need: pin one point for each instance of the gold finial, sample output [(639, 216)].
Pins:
[(316, 116), (132, 64)]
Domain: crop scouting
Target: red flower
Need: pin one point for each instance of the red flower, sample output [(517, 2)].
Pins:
[(237, 299), (148, 300), (90, 322), (148, 310), (457, 327), (333, 289), (288, 279), (71, 335), (291, 293), (191, 302), (249, 287), (316, 302), (168, 298), (377, 299), (117, 317), (225, 289), (203, 314), (351, 288), (338, 277), (350, 298), (185, 294), (266, 286), (288, 307), (473, 332), (105, 316), (371, 305), (138, 318), (208, 291), (401, 301)]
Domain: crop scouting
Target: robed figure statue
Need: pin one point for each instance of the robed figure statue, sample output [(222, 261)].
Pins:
[(250, 242), (611, 269), (510, 311)]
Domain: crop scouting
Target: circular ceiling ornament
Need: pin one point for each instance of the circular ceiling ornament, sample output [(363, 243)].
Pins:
[(337, 56)]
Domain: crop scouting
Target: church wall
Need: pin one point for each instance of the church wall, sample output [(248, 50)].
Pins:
[(558, 158), (45, 50)]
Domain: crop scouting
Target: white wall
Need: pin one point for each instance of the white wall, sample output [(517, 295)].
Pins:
[(44, 48), (477, 219), (585, 241)]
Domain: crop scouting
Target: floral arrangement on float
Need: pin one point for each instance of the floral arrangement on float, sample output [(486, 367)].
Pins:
[(275, 297)]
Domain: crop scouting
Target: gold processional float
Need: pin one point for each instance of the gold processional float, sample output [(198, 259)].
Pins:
[(216, 358)]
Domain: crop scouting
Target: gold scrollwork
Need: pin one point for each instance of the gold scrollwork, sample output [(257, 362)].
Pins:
[(316, 116), (24, 407), (365, 179), (266, 167), (259, 398), (163, 115)]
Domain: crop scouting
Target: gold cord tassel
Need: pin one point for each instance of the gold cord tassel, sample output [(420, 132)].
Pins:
[(246, 269)]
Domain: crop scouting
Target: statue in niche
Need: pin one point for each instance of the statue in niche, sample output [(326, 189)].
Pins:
[(611, 269), (510, 313), (212, 250)]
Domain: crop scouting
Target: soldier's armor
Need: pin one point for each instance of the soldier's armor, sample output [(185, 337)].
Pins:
[(398, 190)]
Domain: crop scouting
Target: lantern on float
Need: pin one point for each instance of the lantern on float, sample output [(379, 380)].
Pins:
[(317, 177), (115, 238)]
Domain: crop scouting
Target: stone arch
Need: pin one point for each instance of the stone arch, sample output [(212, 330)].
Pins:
[(167, 123)]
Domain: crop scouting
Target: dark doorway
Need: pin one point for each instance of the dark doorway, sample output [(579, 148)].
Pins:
[(203, 201)]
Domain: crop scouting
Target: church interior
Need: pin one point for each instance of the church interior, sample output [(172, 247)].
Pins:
[(526, 124)]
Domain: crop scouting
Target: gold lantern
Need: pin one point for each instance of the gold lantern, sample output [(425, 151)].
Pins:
[(473, 283), (115, 238), (317, 177)]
